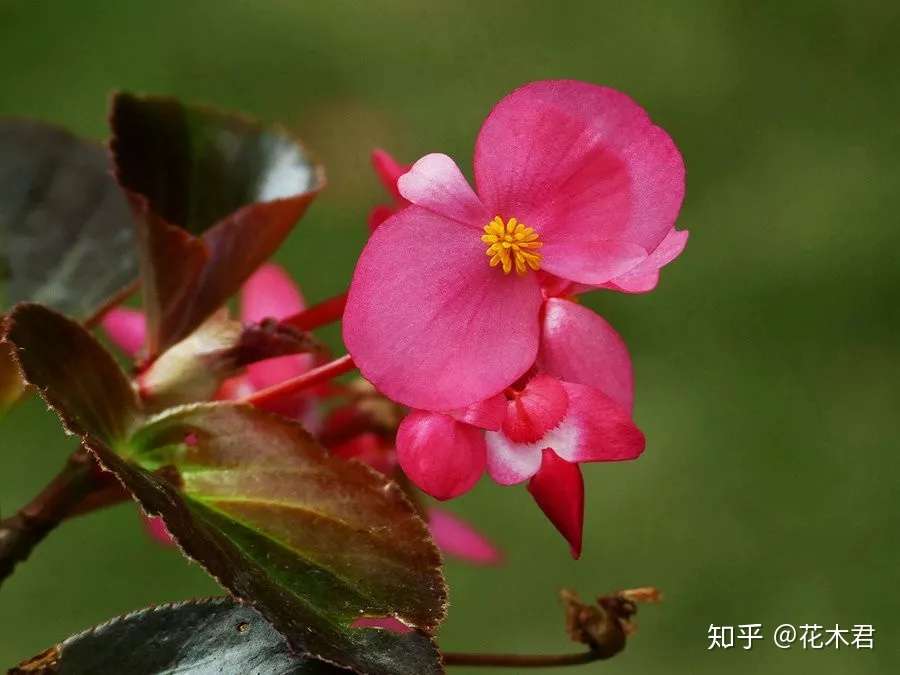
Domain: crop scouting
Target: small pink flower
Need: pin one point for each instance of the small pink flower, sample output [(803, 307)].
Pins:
[(389, 172), (574, 407), (573, 180)]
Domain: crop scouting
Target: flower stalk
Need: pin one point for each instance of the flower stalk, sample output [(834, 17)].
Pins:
[(311, 378), (326, 312)]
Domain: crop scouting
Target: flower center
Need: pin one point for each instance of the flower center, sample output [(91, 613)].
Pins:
[(512, 245)]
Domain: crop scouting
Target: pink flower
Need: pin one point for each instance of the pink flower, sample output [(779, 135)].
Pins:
[(573, 407), (573, 180), (389, 172)]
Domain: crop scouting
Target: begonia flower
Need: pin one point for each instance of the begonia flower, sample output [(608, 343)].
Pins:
[(573, 180), (388, 171), (573, 407)]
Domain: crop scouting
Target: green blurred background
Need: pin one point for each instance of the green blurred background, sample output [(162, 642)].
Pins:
[(766, 361)]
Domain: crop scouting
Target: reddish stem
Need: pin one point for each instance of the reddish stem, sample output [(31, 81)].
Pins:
[(24, 530), (325, 312), (522, 660), (272, 395)]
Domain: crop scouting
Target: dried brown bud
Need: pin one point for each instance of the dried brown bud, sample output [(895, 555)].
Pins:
[(605, 626)]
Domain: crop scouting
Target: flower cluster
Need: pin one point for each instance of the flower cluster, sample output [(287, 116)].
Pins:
[(462, 306), (463, 310)]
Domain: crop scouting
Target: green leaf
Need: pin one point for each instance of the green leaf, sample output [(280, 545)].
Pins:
[(214, 194), (66, 233), (312, 541), (198, 637)]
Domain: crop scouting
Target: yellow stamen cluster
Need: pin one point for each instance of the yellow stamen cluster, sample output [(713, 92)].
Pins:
[(512, 244)]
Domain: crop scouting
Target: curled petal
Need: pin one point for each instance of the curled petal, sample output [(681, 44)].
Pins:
[(535, 410), (127, 328), (445, 458), (430, 323), (581, 162), (644, 276), (578, 345), (436, 183), (457, 538), (558, 489)]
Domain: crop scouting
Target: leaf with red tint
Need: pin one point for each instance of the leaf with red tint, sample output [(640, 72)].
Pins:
[(214, 195), (73, 372), (67, 234), (311, 541), (10, 383)]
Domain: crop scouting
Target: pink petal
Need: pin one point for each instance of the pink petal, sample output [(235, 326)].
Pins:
[(535, 410), (644, 277), (436, 183), (389, 171), (457, 538), (558, 489), (596, 429), (127, 328), (445, 458), (581, 164), (430, 323), (578, 345), (487, 414), (157, 529), (590, 262), (270, 293), (388, 623), (509, 463)]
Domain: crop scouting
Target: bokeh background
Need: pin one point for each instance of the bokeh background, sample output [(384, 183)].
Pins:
[(766, 361)]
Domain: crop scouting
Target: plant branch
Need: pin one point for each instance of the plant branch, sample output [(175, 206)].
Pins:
[(24, 530), (524, 660)]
